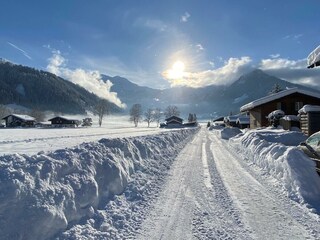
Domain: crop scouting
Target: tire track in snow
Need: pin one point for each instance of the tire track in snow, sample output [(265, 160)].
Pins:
[(207, 177), (190, 206), (263, 212), (217, 217)]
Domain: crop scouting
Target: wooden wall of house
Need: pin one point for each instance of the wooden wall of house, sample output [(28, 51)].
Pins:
[(310, 123), (255, 118)]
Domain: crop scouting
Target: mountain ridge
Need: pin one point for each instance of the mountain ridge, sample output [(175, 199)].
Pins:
[(210, 100)]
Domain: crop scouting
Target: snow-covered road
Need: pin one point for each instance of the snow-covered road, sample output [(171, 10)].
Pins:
[(212, 194)]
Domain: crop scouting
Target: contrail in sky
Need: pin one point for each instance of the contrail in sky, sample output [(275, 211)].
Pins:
[(21, 50)]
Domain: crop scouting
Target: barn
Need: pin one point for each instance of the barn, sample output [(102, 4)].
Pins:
[(64, 122), (18, 120), (174, 121)]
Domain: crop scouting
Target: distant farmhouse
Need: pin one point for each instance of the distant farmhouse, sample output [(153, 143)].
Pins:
[(64, 122), (289, 101), (17, 120), (174, 121), (240, 120)]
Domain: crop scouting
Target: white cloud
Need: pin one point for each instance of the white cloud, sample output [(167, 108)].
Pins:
[(277, 55), (21, 50), (231, 71), (280, 63), (294, 71), (199, 47), (185, 17), (90, 80)]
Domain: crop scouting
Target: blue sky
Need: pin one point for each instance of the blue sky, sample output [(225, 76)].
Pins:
[(216, 41)]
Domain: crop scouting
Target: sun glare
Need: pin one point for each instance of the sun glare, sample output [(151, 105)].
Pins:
[(178, 66), (177, 70)]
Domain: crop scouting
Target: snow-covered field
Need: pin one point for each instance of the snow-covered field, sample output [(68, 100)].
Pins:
[(221, 183), (32, 141)]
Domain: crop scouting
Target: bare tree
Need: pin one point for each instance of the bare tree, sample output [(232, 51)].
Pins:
[(192, 117), (172, 111), (136, 114), (37, 114), (102, 109), (149, 116), (157, 116)]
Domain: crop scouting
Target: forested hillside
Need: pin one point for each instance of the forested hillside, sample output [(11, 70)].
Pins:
[(42, 90)]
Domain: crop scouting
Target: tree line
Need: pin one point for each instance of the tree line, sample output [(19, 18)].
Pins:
[(137, 114)]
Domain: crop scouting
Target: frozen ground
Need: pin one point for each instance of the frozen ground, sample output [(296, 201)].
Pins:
[(186, 184)]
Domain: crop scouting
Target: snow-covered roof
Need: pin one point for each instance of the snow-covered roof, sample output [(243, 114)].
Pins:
[(22, 117), (173, 117), (314, 58), (65, 118), (309, 108), (275, 96), (232, 118), (243, 120)]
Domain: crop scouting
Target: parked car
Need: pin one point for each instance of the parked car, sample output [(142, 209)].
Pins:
[(311, 147)]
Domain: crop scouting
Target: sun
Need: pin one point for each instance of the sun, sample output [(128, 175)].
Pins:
[(177, 70), (178, 66)]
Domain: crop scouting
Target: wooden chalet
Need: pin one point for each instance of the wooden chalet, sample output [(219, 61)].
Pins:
[(231, 121), (289, 101), (310, 119), (243, 122), (17, 120), (174, 121), (64, 122)]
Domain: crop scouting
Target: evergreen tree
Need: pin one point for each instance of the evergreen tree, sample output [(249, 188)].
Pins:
[(275, 89)]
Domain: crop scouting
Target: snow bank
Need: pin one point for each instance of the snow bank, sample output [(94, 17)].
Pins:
[(229, 132), (290, 166), (71, 192)]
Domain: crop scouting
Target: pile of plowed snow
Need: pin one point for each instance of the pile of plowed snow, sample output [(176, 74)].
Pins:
[(276, 153), (73, 192)]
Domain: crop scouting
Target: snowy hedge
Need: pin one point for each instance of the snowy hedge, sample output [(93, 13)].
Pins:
[(43, 195)]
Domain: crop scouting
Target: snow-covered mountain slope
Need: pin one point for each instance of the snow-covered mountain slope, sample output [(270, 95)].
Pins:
[(70, 193)]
